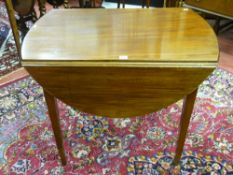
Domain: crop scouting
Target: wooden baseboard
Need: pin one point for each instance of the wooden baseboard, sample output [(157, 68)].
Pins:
[(17, 74)]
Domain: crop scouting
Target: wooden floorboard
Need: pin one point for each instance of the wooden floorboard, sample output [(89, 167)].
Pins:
[(226, 50)]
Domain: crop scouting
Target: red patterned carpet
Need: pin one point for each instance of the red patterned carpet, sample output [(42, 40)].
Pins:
[(103, 146)]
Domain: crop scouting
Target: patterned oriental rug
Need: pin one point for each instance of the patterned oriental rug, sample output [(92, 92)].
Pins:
[(9, 59), (102, 146)]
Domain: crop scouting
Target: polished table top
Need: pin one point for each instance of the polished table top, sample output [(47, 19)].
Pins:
[(120, 62), (144, 37)]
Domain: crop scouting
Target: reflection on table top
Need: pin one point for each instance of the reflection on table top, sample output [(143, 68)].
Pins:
[(121, 37)]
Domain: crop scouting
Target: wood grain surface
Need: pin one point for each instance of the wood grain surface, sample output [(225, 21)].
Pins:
[(88, 36), (74, 55), (119, 92)]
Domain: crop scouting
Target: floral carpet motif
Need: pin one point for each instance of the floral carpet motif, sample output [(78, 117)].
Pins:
[(9, 59), (103, 146)]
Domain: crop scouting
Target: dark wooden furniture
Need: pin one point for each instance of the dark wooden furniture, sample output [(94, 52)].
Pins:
[(57, 3), (25, 11), (222, 8), (173, 3), (110, 65), (144, 2)]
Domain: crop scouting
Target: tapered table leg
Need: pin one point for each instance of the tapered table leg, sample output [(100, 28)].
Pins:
[(55, 121), (184, 124)]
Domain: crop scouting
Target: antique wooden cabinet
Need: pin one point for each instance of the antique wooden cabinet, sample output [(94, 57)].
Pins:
[(223, 8)]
